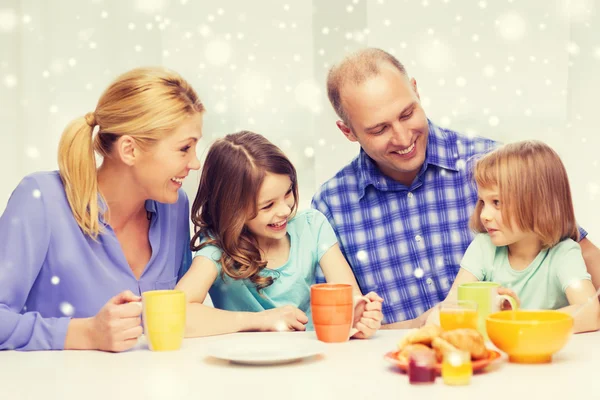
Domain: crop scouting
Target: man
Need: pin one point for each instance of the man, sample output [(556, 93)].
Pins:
[(401, 208)]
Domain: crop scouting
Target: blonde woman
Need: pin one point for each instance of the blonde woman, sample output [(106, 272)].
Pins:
[(79, 245), (527, 237)]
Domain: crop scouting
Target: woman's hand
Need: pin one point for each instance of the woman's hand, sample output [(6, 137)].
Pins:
[(118, 325)]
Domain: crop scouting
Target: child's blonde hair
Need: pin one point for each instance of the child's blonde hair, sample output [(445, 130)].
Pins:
[(534, 191)]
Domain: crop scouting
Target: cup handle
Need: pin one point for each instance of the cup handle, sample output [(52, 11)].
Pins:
[(504, 297), (356, 301)]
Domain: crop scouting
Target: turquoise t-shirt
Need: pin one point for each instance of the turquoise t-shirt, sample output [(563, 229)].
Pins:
[(310, 236), (542, 285)]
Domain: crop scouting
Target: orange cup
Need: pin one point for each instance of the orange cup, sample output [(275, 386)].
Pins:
[(332, 307)]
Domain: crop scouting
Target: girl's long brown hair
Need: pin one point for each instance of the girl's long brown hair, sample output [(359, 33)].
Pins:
[(232, 174)]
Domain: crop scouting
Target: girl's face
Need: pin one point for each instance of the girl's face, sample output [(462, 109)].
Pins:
[(274, 203), (492, 219), (163, 168)]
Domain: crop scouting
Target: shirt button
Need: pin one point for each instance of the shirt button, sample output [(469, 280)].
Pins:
[(429, 281), (410, 195), (418, 238)]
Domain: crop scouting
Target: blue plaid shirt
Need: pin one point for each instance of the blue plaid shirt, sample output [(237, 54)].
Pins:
[(406, 243)]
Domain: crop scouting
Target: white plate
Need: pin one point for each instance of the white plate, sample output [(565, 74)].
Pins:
[(265, 350)]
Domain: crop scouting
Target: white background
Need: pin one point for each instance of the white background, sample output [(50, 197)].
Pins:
[(505, 69)]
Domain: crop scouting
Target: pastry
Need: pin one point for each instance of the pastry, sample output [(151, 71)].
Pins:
[(467, 340), (441, 347), (404, 355), (425, 336)]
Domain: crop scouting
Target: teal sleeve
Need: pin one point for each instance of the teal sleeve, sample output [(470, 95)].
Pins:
[(570, 265), (322, 231), (477, 259), (213, 253)]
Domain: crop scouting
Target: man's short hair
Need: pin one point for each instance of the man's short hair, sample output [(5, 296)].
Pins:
[(355, 69)]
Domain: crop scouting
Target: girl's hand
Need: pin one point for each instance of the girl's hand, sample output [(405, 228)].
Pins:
[(432, 319), (505, 304), (368, 317), (280, 319)]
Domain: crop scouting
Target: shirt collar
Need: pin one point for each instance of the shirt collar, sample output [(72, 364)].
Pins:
[(442, 152), (150, 206), (442, 148)]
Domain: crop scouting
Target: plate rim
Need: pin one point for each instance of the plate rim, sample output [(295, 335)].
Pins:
[(308, 349), (478, 365)]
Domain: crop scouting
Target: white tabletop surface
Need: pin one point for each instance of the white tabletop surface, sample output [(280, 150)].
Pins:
[(351, 370)]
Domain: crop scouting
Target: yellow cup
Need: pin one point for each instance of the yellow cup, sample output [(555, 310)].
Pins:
[(485, 294), (164, 319)]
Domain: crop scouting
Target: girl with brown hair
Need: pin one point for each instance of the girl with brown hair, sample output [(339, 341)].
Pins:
[(79, 245), (255, 255), (527, 237)]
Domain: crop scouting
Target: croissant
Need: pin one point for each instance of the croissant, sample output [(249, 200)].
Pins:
[(404, 355), (468, 340), (441, 347), (425, 336)]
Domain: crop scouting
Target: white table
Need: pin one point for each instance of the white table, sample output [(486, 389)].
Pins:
[(352, 370)]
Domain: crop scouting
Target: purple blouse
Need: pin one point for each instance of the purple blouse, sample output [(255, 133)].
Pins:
[(51, 272)]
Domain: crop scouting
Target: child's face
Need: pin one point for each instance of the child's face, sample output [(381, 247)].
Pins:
[(491, 218), (275, 202)]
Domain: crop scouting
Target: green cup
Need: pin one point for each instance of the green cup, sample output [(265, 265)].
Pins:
[(485, 294)]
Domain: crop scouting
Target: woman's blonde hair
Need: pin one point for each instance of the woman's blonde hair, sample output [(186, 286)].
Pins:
[(534, 191), (144, 103)]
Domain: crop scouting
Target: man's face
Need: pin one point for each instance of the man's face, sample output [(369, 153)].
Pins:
[(387, 120)]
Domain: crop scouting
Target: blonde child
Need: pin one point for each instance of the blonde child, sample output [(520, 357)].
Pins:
[(528, 236), (255, 255)]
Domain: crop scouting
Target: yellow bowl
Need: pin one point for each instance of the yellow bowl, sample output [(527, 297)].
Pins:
[(529, 336)]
